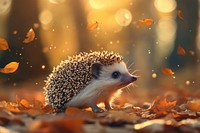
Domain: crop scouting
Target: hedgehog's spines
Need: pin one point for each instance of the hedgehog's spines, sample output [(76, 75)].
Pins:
[(73, 75)]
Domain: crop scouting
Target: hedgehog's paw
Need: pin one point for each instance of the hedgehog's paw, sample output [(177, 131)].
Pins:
[(96, 109), (107, 106)]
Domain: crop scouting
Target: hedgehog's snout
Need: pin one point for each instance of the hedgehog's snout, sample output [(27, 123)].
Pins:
[(134, 78)]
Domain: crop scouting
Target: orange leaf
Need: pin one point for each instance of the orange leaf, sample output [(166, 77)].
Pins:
[(181, 50), (12, 107), (167, 71), (180, 15), (25, 104), (3, 44), (93, 25), (162, 106), (29, 36), (194, 105), (10, 68), (146, 22), (63, 125)]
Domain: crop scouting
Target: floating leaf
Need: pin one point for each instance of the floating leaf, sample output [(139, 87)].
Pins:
[(3, 44), (93, 25), (180, 15), (29, 36), (167, 71), (181, 50), (10, 68), (146, 22)]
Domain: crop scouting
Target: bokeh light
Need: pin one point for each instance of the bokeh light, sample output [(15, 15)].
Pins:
[(5, 6), (46, 18), (56, 1), (165, 6), (97, 4), (166, 32), (123, 17)]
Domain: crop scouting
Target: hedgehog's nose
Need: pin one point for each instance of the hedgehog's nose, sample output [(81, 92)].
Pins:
[(134, 78)]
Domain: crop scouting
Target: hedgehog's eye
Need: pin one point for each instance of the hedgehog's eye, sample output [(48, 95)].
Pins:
[(116, 74)]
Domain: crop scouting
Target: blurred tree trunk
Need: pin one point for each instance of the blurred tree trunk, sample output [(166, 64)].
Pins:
[(80, 20), (186, 34), (23, 16)]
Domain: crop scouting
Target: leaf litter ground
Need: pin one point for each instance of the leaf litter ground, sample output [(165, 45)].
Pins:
[(157, 111)]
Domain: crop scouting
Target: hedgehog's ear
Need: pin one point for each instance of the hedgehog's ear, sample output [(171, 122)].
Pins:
[(96, 68)]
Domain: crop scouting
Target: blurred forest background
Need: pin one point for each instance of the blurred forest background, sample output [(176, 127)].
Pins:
[(61, 30)]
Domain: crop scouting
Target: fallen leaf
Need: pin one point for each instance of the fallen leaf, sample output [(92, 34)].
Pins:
[(10, 68), (180, 15), (93, 25), (146, 22), (37, 104), (3, 44), (25, 104), (63, 125), (79, 113), (194, 105), (122, 115), (181, 50), (12, 107), (167, 71), (29, 36), (162, 107)]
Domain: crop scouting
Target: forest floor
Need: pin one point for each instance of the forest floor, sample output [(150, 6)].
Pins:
[(176, 110)]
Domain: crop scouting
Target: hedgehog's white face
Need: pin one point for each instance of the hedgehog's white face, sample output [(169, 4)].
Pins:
[(114, 76)]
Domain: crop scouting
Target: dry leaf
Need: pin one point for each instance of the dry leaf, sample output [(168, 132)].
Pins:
[(12, 107), (3, 44), (167, 71), (25, 104), (63, 125), (29, 36), (181, 50), (10, 68), (93, 25), (146, 22), (194, 105), (79, 113), (162, 107), (180, 15)]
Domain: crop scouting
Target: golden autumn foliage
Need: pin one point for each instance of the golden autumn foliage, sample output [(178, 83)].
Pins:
[(181, 50), (10, 68), (93, 25), (180, 15), (30, 36), (167, 71), (3, 44), (146, 22)]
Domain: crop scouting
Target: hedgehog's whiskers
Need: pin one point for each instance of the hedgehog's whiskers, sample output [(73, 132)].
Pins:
[(129, 67)]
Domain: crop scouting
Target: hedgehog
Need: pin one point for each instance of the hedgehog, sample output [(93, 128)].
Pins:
[(86, 79)]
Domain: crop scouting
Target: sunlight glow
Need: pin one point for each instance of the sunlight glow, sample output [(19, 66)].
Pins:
[(56, 1), (123, 17), (166, 33), (97, 4), (46, 18), (165, 6), (5, 6)]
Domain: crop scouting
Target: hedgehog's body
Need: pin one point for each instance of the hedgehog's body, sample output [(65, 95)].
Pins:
[(85, 80)]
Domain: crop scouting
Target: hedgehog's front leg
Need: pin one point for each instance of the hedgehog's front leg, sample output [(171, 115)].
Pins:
[(107, 105), (96, 109)]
